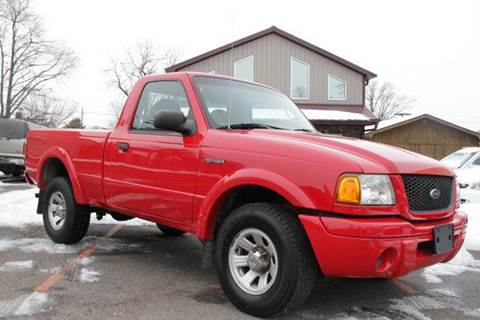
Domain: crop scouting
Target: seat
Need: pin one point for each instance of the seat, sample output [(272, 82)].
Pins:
[(220, 117)]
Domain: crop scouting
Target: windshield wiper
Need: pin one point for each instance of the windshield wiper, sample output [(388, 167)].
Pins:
[(251, 125)]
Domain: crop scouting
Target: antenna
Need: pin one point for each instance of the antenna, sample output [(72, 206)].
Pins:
[(232, 74)]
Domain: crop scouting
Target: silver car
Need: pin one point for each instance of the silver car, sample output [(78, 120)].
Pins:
[(12, 138), (466, 164)]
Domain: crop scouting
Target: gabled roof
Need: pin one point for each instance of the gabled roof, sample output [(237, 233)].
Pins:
[(398, 122), (281, 33)]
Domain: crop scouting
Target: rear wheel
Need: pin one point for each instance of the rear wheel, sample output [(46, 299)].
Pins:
[(172, 232), (264, 261), (65, 221)]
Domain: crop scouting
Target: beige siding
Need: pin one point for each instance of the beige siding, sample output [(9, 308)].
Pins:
[(272, 67)]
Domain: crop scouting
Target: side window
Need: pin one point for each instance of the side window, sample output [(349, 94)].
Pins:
[(476, 162), (158, 96)]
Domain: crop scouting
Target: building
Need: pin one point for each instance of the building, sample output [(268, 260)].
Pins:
[(329, 89), (425, 134)]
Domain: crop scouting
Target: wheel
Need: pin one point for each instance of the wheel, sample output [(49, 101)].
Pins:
[(170, 231), (263, 260), (65, 221)]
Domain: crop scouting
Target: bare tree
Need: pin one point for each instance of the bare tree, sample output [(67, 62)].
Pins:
[(47, 111), (28, 61), (384, 100), (139, 61)]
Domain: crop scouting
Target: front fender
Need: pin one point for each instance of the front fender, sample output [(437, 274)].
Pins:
[(246, 177), (63, 156)]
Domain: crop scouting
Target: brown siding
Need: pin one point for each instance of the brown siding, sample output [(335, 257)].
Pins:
[(272, 67), (427, 137)]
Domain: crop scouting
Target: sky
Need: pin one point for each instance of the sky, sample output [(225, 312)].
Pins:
[(430, 50)]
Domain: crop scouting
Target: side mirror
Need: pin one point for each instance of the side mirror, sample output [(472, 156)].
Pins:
[(170, 120)]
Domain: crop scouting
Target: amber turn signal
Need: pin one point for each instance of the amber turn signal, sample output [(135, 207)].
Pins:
[(349, 190)]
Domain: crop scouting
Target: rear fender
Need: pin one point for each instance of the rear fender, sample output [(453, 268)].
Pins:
[(246, 177), (61, 155)]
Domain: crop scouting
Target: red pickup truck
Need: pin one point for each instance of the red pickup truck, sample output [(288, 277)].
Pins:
[(238, 165)]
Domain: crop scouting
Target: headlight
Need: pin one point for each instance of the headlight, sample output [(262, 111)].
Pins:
[(365, 189)]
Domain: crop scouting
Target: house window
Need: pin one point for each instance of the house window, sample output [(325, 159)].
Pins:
[(243, 68), (299, 79), (337, 88)]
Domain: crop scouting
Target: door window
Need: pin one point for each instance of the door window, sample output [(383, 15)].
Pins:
[(160, 96)]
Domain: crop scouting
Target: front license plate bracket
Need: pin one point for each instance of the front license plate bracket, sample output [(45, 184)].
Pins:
[(443, 237)]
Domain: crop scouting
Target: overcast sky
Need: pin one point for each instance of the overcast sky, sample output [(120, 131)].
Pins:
[(428, 49)]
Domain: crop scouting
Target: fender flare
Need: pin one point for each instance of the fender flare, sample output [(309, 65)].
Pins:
[(246, 177), (63, 156)]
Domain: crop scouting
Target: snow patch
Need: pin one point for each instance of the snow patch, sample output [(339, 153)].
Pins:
[(413, 306), (87, 260), (19, 209), (444, 292), (463, 262), (472, 241), (17, 266), (25, 305), (51, 270), (316, 114), (89, 275), (46, 245)]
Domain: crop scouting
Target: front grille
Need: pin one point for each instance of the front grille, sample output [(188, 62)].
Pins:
[(419, 192)]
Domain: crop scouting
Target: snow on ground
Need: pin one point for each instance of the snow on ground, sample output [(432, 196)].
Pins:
[(472, 241), (25, 305), (17, 266), (18, 209), (48, 246), (89, 275)]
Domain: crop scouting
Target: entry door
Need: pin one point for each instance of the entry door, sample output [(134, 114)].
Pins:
[(150, 171)]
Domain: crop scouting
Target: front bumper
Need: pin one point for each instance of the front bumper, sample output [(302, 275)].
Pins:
[(7, 167), (11, 164), (377, 247)]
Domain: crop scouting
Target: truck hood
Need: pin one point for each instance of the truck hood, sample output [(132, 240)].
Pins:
[(371, 157)]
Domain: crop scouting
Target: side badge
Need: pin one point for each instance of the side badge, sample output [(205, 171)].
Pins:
[(214, 161)]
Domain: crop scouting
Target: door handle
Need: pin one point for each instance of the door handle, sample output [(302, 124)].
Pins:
[(123, 146)]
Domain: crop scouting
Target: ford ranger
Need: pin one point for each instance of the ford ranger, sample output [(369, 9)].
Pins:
[(238, 165)]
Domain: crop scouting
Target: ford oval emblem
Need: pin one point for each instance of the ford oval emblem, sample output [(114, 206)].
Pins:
[(435, 194)]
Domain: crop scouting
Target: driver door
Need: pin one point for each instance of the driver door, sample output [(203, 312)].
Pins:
[(150, 171)]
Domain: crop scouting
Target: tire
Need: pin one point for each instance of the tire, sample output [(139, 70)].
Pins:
[(292, 268), (76, 219), (171, 232)]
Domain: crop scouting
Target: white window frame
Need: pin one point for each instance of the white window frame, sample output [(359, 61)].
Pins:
[(328, 87), (211, 71), (291, 78), (253, 67)]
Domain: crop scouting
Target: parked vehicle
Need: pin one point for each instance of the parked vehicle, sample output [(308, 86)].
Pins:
[(463, 158), (238, 165), (466, 165), (12, 138)]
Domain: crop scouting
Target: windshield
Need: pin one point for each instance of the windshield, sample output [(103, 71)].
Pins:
[(457, 159), (12, 129), (248, 106)]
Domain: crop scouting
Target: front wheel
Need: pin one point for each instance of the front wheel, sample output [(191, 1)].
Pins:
[(264, 261), (65, 221)]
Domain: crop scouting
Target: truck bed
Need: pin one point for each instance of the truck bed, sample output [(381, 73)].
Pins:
[(85, 149)]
